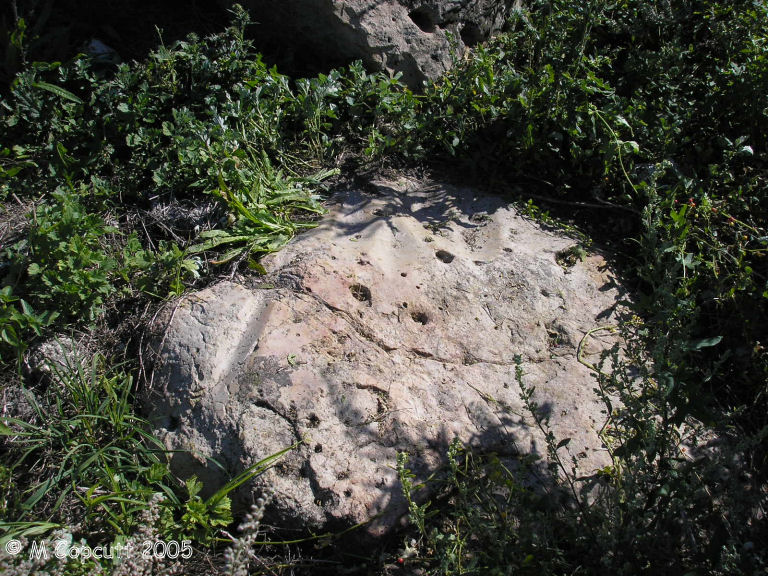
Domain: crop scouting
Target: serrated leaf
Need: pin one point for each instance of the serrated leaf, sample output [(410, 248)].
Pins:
[(193, 486)]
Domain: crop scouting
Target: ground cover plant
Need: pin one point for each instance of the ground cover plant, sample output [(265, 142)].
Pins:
[(647, 121)]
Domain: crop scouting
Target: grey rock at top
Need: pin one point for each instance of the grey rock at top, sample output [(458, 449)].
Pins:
[(393, 326), (412, 37)]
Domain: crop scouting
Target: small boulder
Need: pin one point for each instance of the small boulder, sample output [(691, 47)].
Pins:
[(411, 37), (52, 358)]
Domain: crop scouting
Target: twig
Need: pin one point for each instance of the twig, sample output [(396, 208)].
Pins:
[(603, 205), (580, 348)]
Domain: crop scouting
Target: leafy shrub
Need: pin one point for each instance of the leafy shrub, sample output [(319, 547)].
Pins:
[(17, 319), (66, 260), (199, 118)]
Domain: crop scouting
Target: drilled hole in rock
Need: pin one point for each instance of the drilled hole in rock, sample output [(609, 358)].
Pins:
[(444, 256), (318, 448), (471, 34), (173, 424), (405, 304), (403, 274), (553, 339), (420, 317), (360, 292), (348, 493), (556, 335), (424, 18)]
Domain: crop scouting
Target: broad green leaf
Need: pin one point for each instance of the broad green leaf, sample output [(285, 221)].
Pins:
[(694, 345)]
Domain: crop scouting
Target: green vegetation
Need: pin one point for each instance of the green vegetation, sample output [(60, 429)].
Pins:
[(651, 118)]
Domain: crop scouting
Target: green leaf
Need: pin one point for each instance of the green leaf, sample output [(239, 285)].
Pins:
[(550, 72), (564, 442), (257, 267), (256, 469), (694, 345), (633, 146), (193, 486), (59, 91), (38, 494), (24, 530), (229, 255), (216, 241)]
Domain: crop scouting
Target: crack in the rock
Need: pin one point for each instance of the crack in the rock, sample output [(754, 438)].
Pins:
[(468, 360), (358, 328), (423, 354), (492, 362), (371, 387), (264, 403), (366, 335), (321, 497)]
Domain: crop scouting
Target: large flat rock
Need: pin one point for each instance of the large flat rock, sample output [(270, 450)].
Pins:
[(393, 326)]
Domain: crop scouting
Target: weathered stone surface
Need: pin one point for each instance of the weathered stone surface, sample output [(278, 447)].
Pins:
[(392, 326), (408, 36), (62, 354)]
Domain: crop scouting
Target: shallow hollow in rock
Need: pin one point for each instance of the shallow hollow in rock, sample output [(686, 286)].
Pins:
[(370, 343)]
